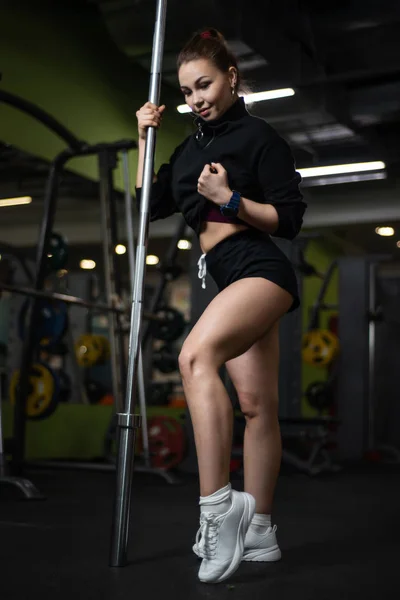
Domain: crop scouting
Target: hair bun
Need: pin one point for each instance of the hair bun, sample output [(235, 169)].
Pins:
[(211, 33)]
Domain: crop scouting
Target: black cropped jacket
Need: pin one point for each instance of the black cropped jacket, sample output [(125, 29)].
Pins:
[(258, 161)]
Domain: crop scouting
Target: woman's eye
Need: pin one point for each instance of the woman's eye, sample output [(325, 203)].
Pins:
[(204, 86)]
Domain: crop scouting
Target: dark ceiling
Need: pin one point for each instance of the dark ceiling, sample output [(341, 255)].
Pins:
[(342, 57)]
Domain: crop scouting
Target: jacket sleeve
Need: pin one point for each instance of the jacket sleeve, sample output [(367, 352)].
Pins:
[(280, 184), (162, 203)]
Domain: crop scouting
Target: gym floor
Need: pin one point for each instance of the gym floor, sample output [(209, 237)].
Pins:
[(339, 538)]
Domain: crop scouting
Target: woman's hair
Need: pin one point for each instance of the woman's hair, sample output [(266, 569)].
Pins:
[(211, 45)]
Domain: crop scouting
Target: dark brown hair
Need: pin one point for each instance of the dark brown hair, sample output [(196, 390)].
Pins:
[(210, 44)]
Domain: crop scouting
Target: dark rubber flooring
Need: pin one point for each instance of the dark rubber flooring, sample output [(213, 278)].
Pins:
[(339, 538)]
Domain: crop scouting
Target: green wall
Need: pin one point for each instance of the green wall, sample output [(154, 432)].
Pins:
[(73, 431), (60, 56), (320, 254)]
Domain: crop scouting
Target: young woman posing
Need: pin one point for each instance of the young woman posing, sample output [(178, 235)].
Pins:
[(235, 182)]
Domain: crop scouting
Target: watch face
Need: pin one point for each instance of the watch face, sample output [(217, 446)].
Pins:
[(229, 212)]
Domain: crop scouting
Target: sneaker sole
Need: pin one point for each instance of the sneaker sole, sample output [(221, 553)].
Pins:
[(248, 513), (258, 555), (261, 555)]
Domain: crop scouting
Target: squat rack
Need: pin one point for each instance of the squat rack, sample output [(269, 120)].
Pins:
[(107, 161), (128, 422)]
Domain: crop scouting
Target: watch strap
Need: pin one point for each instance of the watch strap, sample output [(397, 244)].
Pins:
[(233, 203)]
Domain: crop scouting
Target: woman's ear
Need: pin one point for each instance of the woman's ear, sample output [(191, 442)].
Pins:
[(233, 77)]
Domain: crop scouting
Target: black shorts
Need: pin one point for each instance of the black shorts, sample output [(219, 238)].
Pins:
[(251, 253)]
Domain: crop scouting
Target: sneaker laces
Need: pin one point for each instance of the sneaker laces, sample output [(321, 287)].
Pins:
[(208, 532)]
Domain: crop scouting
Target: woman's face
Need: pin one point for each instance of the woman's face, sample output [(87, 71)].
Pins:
[(207, 90)]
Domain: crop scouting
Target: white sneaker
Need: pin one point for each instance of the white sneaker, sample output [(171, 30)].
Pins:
[(258, 547), (261, 547), (222, 538)]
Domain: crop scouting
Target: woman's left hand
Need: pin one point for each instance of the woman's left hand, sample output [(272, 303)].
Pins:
[(214, 185)]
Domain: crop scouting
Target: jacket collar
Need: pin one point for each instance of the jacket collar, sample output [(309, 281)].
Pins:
[(234, 113)]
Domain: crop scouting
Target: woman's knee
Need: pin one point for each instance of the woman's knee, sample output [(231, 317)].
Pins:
[(195, 361), (259, 404)]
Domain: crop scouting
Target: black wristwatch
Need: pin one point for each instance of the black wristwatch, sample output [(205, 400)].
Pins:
[(232, 208)]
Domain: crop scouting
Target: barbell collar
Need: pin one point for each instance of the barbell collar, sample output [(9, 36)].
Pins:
[(129, 421)]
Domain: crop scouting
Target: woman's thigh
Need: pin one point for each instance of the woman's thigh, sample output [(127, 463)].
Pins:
[(235, 319)]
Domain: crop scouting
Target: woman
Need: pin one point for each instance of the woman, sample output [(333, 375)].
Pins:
[(235, 182)]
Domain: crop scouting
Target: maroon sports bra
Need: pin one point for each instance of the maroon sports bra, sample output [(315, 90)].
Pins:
[(212, 213)]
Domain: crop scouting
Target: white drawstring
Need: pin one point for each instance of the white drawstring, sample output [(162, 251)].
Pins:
[(201, 263)]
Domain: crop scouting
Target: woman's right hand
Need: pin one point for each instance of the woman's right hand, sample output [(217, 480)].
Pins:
[(149, 115)]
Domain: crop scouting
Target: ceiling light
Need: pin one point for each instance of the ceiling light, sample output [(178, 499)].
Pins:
[(120, 249), (184, 245), (398, 244), (250, 98), (351, 178), (87, 263), (15, 201), (376, 165), (385, 231), (151, 259), (268, 95)]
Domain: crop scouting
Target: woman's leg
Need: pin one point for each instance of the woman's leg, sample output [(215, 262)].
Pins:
[(255, 377), (231, 324)]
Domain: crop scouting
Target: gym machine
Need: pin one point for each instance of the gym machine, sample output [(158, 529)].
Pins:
[(106, 154), (367, 378), (23, 485)]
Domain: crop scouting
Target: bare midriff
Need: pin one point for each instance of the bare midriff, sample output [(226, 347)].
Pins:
[(212, 233)]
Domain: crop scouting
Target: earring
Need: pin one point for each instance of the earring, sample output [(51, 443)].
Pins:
[(233, 91)]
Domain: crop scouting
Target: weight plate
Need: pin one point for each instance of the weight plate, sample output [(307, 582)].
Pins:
[(320, 347), (43, 395), (171, 327), (90, 350), (166, 359), (167, 443), (51, 325), (319, 395)]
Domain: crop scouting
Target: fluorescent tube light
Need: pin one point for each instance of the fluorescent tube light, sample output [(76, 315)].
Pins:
[(250, 98), (15, 201), (376, 165)]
